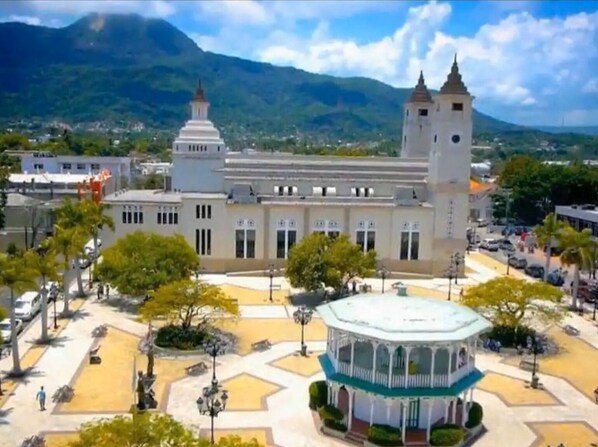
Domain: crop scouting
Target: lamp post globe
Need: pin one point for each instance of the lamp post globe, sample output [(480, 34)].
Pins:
[(303, 316)]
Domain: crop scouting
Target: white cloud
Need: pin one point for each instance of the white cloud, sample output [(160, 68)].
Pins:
[(29, 20), (505, 61), (151, 8), (591, 86)]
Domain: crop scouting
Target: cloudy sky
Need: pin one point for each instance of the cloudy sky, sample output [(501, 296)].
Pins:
[(529, 62)]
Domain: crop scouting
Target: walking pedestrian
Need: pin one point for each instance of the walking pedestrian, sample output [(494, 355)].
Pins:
[(107, 291), (41, 398), (100, 291)]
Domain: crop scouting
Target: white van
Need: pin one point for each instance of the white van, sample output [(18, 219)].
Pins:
[(28, 305)]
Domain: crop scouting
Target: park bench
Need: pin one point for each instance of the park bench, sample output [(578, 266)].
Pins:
[(63, 394), (365, 288), (276, 287), (571, 330), (100, 331), (197, 369), (94, 357), (261, 345), (34, 441), (527, 364)]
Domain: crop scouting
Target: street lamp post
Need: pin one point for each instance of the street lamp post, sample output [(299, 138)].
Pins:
[(533, 343), (271, 273), (198, 270), (595, 305), (450, 273), (303, 316), (509, 256), (456, 261), (215, 347), (383, 273), (211, 404), (55, 322)]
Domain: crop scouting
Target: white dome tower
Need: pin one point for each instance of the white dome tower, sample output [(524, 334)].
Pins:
[(417, 134), (198, 152)]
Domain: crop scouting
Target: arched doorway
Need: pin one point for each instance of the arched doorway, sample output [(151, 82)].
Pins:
[(343, 400)]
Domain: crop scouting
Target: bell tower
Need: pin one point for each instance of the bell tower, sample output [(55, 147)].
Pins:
[(450, 167), (417, 122)]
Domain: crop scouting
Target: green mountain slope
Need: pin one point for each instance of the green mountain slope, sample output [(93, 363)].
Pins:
[(124, 67)]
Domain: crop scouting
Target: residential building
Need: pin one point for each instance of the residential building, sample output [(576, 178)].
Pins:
[(243, 211), (579, 217)]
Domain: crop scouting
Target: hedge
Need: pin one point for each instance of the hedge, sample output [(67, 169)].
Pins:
[(318, 394), (330, 412), (384, 435), (510, 336), (476, 414), (334, 425), (446, 435)]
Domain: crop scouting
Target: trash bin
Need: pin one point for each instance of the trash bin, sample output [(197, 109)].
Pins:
[(402, 290)]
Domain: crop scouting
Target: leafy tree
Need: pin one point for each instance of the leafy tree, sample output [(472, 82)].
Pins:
[(576, 247), (150, 181), (69, 243), (3, 315), (17, 276), (95, 221), (185, 301), (546, 235), (147, 430), (44, 262), (14, 141), (4, 173), (140, 263), (509, 301), (319, 261)]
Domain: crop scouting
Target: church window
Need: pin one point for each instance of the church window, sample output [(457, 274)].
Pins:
[(405, 139), (366, 235), (286, 237), (409, 242), (458, 106), (407, 112), (455, 139), (422, 112), (435, 138), (245, 239)]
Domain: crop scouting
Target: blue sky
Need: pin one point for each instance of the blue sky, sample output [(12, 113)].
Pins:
[(529, 62)]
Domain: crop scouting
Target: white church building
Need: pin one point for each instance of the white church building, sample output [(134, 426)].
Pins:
[(243, 212)]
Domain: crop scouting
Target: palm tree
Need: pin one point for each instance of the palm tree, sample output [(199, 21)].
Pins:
[(17, 276), (72, 216), (45, 264), (69, 242), (96, 220), (575, 246), (591, 262), (546, 234)]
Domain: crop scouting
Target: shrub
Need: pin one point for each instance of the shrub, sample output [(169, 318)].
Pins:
[(510, 336), (384, 435), (318, 394), (475, 416), (446, 435), (330, 412), (176, 337), (334, 425)]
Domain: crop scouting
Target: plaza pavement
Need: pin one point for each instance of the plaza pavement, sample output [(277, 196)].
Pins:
[(269, 400)]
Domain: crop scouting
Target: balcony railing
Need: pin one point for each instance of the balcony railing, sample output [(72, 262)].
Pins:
[(398, 380)]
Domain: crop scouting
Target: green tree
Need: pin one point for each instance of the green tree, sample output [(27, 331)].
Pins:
[(546, 235), (17, 276), (96, 220), (3, 315), (147, 430), (187, 302), (46, 265), (14, 141), (140, 263), (509, 301), (575, 249), (319, 261), (150, 181), (4, 173), (69, 243)]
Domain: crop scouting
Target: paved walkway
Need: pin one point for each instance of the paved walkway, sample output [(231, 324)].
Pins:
[(275, 398)]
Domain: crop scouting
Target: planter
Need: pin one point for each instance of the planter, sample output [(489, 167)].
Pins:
[(332, 432), (367, 443)]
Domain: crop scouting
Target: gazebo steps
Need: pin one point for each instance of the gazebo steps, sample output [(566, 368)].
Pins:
[(356, 438)]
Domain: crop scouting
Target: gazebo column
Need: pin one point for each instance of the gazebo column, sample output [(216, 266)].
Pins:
[(447, 403), (433, 349), (471, 395), (372, 407), (407, 353), (464, 408), (350, 415), (454, 412), (375, 354), (475, 351), (388, 408), (404, 407), (391, 353), (337, 346), (352, 356), (428, 429), (450, 365), (467, 357)]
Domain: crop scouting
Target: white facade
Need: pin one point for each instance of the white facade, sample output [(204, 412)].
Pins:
[(400, 361), (412, 211)]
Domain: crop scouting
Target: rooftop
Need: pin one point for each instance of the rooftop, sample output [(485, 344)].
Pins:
[(49, 178), (403, 319)]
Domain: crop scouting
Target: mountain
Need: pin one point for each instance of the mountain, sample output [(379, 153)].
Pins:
[(583, 130), (125, 67)]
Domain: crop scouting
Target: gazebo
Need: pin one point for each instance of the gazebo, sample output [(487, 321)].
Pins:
[(407, 362)]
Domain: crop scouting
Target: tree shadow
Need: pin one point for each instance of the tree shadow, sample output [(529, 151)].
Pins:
[(129, 305), (25, 376), (4, 413), (53, 342), (73, 315), (308, 299)]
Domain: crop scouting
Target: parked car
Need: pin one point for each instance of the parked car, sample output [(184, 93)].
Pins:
[(534, 270), (482, 223), (506, 245), (28, 305), (5, 329), (588, 290), (556, 278), (519, 262), (489, 244)]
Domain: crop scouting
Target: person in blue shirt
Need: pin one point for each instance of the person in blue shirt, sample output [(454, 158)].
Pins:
[(41, 398)]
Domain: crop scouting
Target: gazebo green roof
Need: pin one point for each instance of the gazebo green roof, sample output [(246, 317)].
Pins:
[(403, 319)]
